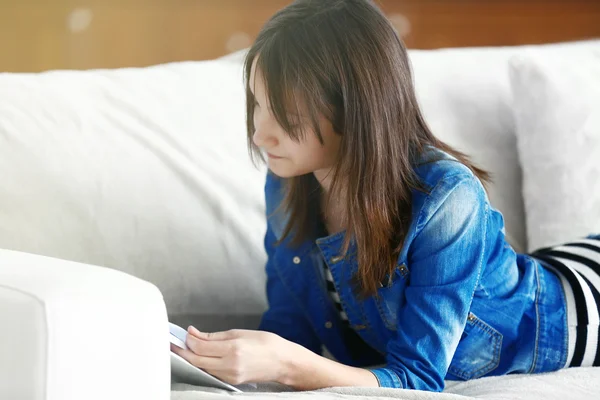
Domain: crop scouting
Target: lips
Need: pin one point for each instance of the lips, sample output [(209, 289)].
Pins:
[(273, 156)]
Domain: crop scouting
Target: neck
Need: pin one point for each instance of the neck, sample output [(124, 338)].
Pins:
[(332, 210)]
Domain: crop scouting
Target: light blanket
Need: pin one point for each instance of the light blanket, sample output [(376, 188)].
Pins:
[(571, 384)]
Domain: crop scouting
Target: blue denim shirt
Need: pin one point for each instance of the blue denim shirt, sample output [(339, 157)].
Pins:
[(461, 303)]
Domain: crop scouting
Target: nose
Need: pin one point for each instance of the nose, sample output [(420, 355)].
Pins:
[(264, 135), (259, 137)]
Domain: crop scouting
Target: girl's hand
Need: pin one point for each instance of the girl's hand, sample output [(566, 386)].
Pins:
[(237, 356)]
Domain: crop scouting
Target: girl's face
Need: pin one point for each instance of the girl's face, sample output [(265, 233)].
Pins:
[(286, 157)]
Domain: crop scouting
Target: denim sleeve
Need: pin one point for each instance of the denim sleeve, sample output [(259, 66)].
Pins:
[(445, 261), (284, 315)]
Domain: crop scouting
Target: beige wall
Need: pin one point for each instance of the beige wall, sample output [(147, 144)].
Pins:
[(38, 35)]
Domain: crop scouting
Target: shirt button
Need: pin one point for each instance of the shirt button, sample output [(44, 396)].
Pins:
[(328, 324), (296, 260), (337, 259)]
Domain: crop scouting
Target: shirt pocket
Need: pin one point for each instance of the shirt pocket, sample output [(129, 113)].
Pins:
[(390, 297), (478, 351)]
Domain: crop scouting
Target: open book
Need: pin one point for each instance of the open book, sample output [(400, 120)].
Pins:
[(184, 372)]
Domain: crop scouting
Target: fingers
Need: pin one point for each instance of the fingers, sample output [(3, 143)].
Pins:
[(177, 350), (208, 348), (202, 362)]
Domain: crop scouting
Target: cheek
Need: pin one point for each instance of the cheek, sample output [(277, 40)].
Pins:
[(314, 157), (323, 155), (309, 155), (332, 143)]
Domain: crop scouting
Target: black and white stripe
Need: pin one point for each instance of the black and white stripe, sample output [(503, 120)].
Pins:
[(335, 297), (578, 266), (356, 346)]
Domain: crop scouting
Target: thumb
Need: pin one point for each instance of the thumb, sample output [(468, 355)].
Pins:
[(226, 335)]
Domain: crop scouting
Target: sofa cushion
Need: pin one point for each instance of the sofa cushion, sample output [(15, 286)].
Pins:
[(141, 170), (465, 98), (556, 107)]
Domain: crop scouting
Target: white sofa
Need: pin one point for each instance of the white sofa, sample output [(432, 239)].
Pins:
[(146, 171)]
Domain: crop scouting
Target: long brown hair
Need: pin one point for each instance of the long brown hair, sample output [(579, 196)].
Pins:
[(344, 60)]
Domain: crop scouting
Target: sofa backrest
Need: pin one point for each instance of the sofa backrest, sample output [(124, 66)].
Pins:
[(142, 170), (147, 171)]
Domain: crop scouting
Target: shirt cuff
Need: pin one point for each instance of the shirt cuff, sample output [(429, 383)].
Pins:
[(387, 378)]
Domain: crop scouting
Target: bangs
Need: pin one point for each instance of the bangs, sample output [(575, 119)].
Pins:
[(293, 92)]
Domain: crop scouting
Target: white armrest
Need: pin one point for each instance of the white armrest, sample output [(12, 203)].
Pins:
[(70, 331)]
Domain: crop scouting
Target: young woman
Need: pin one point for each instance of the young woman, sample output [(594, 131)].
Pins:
[(382, 245)]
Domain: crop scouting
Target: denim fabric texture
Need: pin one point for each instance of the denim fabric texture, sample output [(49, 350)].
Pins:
[(461, 303)]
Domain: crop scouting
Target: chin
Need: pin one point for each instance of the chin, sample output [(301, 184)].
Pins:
[(285, 173), (280, 172)]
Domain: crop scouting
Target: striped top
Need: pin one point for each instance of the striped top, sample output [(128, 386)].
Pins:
[(356, 346), (335, 297), (577, 264)]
